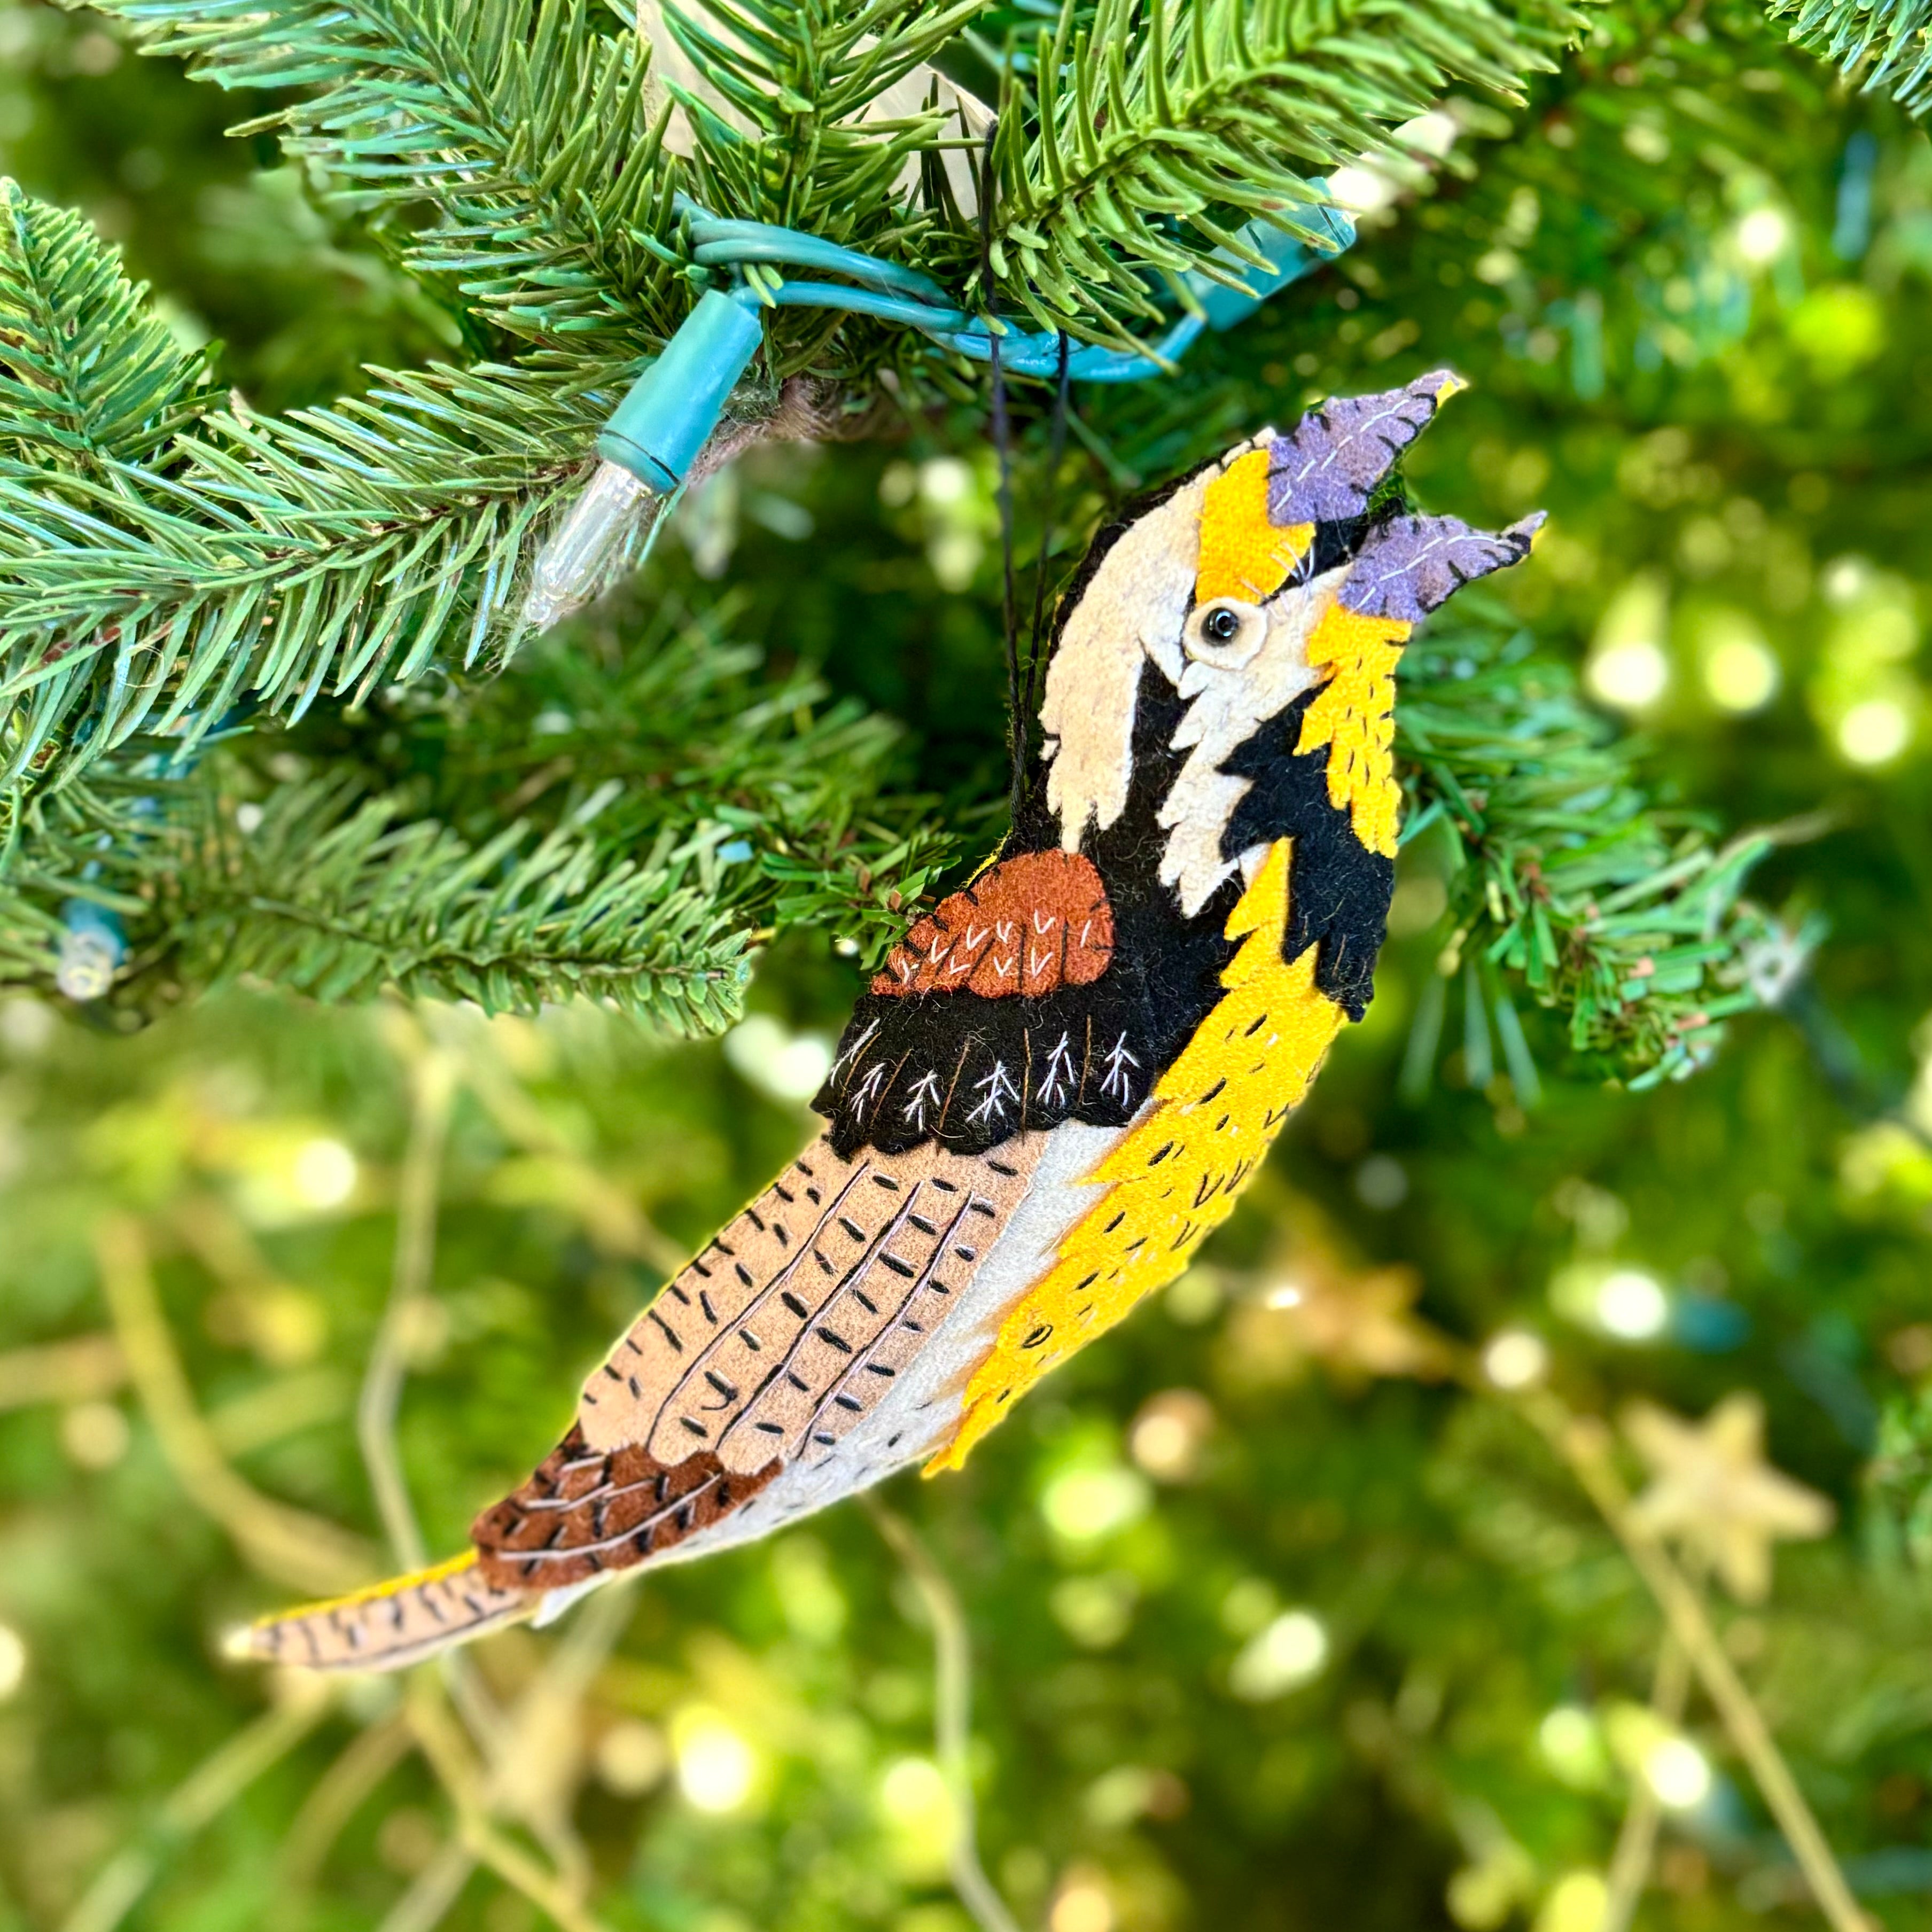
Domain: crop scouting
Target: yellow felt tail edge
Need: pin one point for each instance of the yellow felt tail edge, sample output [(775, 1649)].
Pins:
[(245, 1640), (371, 1593)]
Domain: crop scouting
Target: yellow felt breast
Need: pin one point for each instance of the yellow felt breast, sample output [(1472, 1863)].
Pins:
[(1353, 714), (1173, 1176)]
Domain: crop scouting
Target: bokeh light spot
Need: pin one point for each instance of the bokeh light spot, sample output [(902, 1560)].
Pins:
[(1632, 1305), (1763, 234), (1576, 1903), (1741, 672), (631, 1757), (324, 1173), (1875, 732), (1679, 1772), (715, 1767), (94, 1435), (1573, 1746), (1082, 1905), (789, 1066), (1083, 1505), (1170, 1432), (1515, 1358), (1287, 1653), (1631, 674)]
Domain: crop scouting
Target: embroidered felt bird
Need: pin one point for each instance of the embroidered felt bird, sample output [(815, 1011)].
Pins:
[(1064, 1075)]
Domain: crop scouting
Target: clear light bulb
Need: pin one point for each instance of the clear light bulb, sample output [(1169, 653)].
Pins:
[(589, 546), (91, 950)]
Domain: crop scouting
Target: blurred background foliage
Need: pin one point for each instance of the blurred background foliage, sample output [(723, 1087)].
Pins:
[(1279, 1617)]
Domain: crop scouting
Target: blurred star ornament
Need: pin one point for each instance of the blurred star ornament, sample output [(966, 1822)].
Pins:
[(1064, 1075), (1360, 1322), (1714, 1493)]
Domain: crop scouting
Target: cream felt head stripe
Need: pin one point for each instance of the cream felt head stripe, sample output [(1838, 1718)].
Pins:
[(1132, 609)]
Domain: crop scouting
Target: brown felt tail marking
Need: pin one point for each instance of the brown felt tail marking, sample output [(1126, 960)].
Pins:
[(579, 1515)]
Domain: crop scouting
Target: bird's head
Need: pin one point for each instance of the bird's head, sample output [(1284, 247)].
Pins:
[(1291, 563)]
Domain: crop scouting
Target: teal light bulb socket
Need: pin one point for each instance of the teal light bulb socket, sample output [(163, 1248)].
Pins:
[(660, 427)]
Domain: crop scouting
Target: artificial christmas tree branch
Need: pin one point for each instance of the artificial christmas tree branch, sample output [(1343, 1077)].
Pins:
[(1623, 916), (1151, 122), (370, 541), (1883, 45), (171, 569), (338, 900), (96, 380)]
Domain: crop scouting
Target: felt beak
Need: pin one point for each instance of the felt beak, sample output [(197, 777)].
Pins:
[(1329, 466)]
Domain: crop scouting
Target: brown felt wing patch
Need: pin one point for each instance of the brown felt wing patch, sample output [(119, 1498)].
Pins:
[(583, 1512), (1031, 925)]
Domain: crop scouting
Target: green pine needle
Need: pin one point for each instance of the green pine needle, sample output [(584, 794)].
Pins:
[(1886, 46), (1565, 873), (1160, 128), (338, 898), (90, 379)]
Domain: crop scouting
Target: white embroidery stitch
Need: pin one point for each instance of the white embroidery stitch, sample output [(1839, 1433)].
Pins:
[(867, 1091), (998, 1090), (853, 1051), (1118, 1061), (926, 1088), (1058, 1084)]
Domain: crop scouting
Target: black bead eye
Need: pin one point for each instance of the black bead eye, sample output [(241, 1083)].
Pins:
[(1221, 627)]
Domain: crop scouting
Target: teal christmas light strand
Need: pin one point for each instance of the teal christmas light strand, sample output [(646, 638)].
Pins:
[(655, 434)]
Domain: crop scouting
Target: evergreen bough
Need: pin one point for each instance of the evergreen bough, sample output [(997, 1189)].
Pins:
[(181, 579)]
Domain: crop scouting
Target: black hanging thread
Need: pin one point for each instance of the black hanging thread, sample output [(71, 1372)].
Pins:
[(1022, 687), (1056, 454), (1016, 715)]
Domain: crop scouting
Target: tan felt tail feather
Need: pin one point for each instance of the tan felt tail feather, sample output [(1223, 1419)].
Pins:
[(392, 1625)]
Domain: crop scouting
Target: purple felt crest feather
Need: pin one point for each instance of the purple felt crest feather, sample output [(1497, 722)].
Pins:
[(1411, 565), (1326, 468)]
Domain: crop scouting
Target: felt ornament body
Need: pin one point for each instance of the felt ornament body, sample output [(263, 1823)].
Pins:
[(1061, 1079)]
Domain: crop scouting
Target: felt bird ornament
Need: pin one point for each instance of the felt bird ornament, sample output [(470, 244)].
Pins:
[(1064, 1075)]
